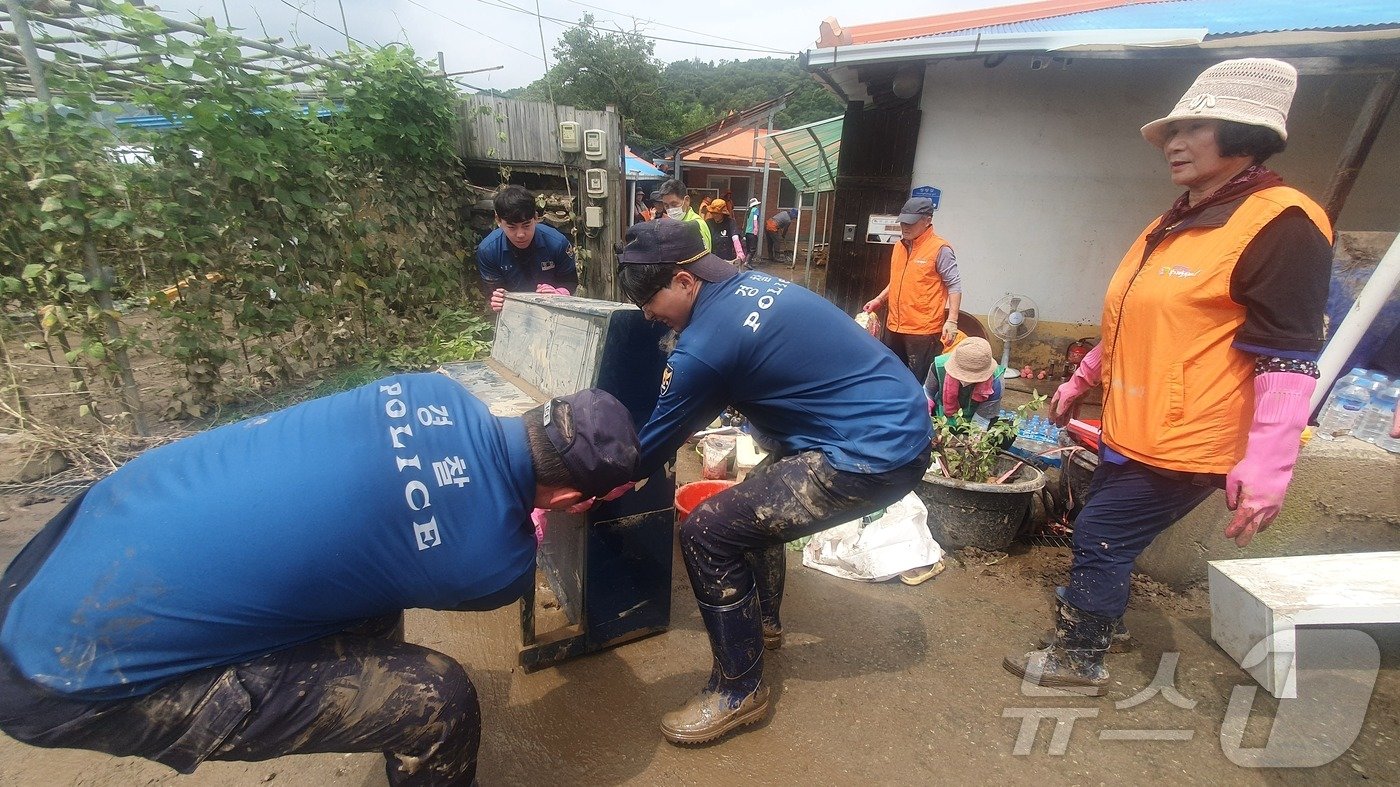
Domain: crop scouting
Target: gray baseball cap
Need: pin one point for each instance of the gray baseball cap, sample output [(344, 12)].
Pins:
[(915, 208)]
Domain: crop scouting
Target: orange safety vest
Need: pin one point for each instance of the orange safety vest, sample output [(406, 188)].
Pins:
[(918, 296), (1177, 395)]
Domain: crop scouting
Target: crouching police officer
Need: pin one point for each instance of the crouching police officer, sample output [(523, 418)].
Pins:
[(845, 422), (234, 595)]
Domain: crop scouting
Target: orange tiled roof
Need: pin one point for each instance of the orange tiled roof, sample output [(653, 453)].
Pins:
[(833, 34), (738, 147)]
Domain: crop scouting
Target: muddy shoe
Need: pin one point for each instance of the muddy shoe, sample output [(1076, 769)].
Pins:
[(736, 694), (1122, 641), (917, 576), (711, 714), (1053, 668), (1075, 660), (772, 636)]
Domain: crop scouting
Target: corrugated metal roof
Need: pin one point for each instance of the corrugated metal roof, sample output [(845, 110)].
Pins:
[(1236, 17)]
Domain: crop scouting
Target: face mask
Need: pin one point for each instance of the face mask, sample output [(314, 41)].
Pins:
[(675, 213)]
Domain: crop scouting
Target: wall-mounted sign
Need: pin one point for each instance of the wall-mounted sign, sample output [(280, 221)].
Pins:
[(927, 191), (882, 229)]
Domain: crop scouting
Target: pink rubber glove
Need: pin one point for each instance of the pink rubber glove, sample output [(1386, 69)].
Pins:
[(585, 505), (540, 516), (1255, 487), (738, 248), (1065, 402), (498, 299), (545, 289)]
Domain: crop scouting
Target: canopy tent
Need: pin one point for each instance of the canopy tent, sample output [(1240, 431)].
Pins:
[(807, 154), (638, 169)]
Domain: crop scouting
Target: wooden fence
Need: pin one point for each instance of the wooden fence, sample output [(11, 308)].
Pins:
[(524, 135)]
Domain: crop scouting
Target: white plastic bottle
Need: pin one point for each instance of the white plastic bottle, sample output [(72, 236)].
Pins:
[(1342, 382), (1379, 413), (1342, 417)]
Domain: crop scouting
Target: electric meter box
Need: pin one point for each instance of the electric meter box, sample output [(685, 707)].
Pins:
[(595, 144), (595, 183), (569, 136), (593, 217)]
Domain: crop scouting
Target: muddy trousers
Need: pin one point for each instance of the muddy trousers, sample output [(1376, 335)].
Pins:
[(790, 498), (917, 351), (1128, 506), (344, 693)]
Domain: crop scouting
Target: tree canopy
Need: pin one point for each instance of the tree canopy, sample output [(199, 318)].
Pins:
[(659, 101)]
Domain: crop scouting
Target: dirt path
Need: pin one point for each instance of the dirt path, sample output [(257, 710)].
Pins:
[(879, 684)]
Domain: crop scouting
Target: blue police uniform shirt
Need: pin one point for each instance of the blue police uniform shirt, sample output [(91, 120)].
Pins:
[(279, 530), (805, 375), (548, 260)]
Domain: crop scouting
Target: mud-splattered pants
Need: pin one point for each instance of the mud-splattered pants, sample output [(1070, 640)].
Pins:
[(917, 351), (346, 693), (363, 690), (1128, 506), (781, 501)]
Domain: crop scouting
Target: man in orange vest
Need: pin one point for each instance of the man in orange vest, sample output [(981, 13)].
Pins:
[(924, 293)]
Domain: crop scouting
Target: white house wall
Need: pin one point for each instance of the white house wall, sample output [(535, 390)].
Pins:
[(1046, 181)]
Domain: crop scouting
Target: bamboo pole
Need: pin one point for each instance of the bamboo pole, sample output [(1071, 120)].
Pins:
[(131, 398)]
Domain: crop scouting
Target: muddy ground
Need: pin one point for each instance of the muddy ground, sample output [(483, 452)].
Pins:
[(878, 683)]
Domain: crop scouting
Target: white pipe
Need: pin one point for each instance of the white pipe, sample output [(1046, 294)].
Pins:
[(1363, 311), (796, 230)]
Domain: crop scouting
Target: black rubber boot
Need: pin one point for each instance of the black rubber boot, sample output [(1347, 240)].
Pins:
[(769, 567), (735, 694), (1121, 642), (1075, 661)]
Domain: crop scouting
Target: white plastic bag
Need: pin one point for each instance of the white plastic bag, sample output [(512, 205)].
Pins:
[(717, 456), (898, 541)]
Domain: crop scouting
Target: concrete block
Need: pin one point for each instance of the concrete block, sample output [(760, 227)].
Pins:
[(1256, 606)]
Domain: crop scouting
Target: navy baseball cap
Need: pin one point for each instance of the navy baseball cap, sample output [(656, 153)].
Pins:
[(595, 437), (667, 241)]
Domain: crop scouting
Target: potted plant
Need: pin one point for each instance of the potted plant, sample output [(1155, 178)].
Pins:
[(976, 493)]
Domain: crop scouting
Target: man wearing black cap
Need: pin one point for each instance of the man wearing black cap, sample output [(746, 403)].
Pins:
[(924, 293), (237, 595), (845, 423)]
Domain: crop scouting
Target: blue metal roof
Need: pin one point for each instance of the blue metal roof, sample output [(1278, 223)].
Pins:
[(1236, 17), (163, 123)]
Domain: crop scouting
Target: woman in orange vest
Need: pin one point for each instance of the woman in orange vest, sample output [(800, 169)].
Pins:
[(1211, 329)]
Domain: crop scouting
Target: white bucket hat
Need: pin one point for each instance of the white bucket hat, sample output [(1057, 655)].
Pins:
[(971, 361), (1256, 91)]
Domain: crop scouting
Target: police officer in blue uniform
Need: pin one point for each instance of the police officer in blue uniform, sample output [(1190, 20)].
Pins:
[(235, 595), (523, 255), (846, 425)]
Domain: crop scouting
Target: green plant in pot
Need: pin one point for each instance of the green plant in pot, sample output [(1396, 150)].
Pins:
[(976, 495), (969, 452)]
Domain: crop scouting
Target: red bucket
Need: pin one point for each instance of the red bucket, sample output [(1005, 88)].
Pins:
[(693, 494)]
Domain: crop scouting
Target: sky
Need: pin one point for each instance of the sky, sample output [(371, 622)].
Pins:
[(480, 34)]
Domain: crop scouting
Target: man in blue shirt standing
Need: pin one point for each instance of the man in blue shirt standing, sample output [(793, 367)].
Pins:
[(522, 255), (237, 595), (845, 423)]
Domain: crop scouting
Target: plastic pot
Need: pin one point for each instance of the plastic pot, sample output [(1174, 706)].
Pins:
[(972, 514)]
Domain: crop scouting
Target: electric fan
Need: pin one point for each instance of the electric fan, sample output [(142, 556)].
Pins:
[(1011, 319)]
